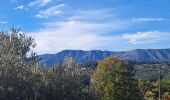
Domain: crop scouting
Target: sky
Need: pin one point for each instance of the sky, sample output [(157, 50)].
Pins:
[(112, 25)]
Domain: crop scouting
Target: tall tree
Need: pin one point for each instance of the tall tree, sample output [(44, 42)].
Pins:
[(16, 69), (113, 80)]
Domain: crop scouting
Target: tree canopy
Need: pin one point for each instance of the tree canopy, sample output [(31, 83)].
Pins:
[(113, 80)]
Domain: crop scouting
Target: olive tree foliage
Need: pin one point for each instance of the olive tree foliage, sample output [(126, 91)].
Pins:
[(14, 47), (23, 78), (66, 82), (113, 81), (16, 69)]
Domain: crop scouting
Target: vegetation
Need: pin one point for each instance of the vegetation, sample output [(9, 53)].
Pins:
[(150, 90), (22, 77), (149, 72), (167, 77), (113, 81)]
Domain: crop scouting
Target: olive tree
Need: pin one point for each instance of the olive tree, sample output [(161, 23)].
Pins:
[(16, 68)]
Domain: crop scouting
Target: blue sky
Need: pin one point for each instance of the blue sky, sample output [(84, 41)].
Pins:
[(115, 25)]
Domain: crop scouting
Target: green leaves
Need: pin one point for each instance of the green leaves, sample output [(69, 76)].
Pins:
[(113, 80)]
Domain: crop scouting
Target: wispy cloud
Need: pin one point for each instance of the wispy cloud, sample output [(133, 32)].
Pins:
[(20, 7), (148, 19), (94, 15), (146, 37), (39, 3), (3, 22), (78, 31), (71, 35), (52, 11), (87, 30)]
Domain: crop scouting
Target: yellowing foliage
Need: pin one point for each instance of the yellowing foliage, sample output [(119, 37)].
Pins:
[(113, 80)]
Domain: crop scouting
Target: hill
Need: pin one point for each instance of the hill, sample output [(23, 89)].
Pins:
[(80, 56)]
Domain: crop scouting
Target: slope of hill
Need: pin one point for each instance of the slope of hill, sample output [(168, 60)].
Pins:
[(139, 55), (80, 56)]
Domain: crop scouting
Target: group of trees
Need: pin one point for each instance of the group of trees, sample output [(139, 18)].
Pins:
[(23, 78), (149, 72)]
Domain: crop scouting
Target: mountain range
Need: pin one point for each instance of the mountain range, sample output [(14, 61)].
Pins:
[(80, 56)]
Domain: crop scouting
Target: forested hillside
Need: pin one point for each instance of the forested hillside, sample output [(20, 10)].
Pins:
[(80, 56)]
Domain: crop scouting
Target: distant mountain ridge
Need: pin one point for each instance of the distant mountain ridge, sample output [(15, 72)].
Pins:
[(80, 56)]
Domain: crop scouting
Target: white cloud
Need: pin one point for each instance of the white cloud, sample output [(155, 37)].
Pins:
[(80, 31), (93, 15), (3, 22), (52, 11), (148, 19), (146, 37), (20, 7), (39, 3), (71, 35)]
